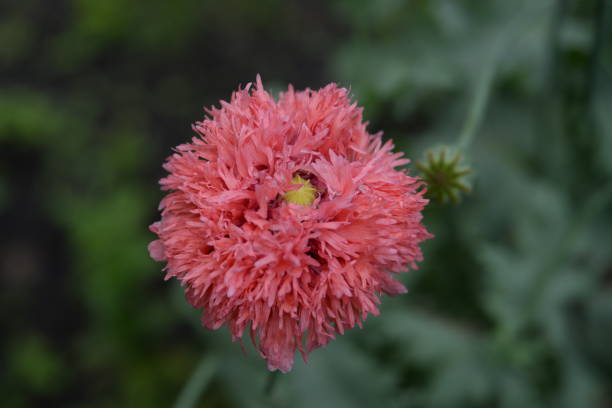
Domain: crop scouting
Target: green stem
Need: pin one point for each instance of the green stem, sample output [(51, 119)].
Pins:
[(553, 48), (484, 86), (197, 384), (272, 379), (547, 123), (599, 33), (478, 106)]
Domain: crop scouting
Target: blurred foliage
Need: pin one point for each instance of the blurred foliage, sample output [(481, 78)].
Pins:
[(513, 304)]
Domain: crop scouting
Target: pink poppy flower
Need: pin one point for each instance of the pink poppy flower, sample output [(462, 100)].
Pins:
[(288, 219)]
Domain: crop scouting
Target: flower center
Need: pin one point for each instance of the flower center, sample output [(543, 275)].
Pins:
[(304, 195)]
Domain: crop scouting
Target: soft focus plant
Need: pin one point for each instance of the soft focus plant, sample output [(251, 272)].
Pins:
[(511, 305)]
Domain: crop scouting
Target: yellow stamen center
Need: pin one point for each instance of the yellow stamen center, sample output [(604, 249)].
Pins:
[(304, 195)]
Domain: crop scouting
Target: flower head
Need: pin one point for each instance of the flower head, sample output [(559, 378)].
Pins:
[(287, 219)]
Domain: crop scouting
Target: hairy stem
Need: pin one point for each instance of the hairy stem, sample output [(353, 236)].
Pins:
[(197, 383), (478, 106), (271, 383)]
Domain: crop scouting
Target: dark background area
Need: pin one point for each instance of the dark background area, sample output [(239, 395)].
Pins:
[(512, 306)]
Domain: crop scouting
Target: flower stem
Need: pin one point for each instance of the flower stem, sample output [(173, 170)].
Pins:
[(599, 32), (270, 383), (197, 384), (478, 106)]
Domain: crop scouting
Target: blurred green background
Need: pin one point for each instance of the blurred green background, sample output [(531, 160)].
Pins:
[(513, 304)]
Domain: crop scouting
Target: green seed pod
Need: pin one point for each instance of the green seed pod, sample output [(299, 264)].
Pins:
[(445, 174)]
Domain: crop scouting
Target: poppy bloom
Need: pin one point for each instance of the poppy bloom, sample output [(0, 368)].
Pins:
[(288, 219)]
